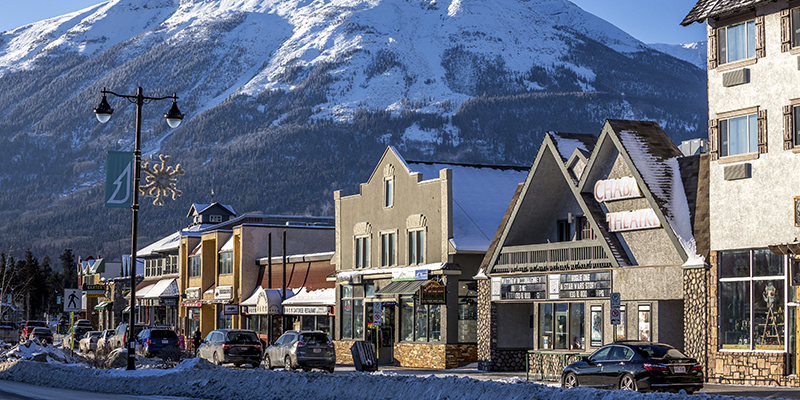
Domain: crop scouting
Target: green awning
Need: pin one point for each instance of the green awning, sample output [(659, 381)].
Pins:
[(102, 305), (401, 287)]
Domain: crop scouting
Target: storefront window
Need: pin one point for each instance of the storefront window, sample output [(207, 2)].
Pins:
[(421, 323), (467, 312), (435, 318), (224, 321), (358, 319), (347, 319), (562, 326), (752, 302), (407, 319), (621, 328)]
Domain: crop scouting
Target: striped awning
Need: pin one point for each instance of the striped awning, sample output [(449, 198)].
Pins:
[(401, 287)]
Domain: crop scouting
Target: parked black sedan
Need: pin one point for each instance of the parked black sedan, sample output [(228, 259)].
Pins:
[(640, 366)]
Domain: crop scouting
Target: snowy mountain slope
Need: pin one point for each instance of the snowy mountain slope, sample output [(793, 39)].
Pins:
[(305, 95), (694, 53)]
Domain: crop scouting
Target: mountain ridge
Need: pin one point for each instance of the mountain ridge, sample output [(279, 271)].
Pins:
[(298, 99)]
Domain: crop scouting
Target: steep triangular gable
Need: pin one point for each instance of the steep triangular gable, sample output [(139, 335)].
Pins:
[(548, 171), (642, 150), (389, 153)]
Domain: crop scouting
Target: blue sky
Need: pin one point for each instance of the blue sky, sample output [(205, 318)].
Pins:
[(651, 21)]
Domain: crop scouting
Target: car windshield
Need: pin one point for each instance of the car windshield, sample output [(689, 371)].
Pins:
[(655, 351), (162, 334), (96, 334), (242, 338), (314, 338), (41, 330)]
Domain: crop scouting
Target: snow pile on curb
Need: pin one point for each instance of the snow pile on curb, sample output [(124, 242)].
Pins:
[(35, 350), (194, 378)]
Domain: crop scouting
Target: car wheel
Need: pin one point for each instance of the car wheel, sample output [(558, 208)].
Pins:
[(255, 365), (216, 360), (627, 383), (267, 363), (287, 363), (329, 369), (570, 381)]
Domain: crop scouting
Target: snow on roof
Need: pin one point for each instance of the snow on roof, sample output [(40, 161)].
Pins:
[(199, 207), (714, 8), (196, 250), (663, 178), (481, 194), (319, 297), (228, 246), (567, 143), (171, 242), (163, 288)]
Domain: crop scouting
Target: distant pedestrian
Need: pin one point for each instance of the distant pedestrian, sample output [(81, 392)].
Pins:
[(196, 339), (182, 341)]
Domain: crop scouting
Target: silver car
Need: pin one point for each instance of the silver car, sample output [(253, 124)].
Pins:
[(301, 349)]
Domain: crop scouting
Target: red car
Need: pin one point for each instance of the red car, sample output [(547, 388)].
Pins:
[(28, 328)]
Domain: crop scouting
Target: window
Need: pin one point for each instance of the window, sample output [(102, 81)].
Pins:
[(416, 247), (226, 263), (388, 192), (352, 314), (467, 312), (362, 252), (388, 246), (738, 135), (621, 329), (796, 27), (796, 125), (215, 218), (420, 322), (561, 326), (751, 300), (737, 42), (645, 318), (194, 266), (585, 229)]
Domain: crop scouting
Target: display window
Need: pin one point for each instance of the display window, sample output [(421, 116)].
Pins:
[(752, 305)]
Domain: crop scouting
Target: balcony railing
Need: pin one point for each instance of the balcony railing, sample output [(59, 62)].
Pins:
[(557, 256)]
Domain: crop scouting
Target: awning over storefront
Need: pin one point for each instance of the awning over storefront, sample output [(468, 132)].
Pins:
[(142, 293), (401, 287), (102, 305), (163, 288), (398, 273), (265, 301)]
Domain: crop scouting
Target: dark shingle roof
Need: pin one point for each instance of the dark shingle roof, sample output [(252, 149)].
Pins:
[(715, 8)]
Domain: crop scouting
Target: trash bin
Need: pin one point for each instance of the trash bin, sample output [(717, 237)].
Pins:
[(364, 358)]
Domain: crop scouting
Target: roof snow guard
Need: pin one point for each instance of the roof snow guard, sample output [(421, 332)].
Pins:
[(717, 8)]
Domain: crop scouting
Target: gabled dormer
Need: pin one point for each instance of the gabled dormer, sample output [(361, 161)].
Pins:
[(213, 213)]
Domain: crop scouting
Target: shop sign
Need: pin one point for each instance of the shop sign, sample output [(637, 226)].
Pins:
[(263, 306), (632, 220), (170, 302), (230, 309), (553, 286), (193, 294), (410, 275), (223, 292), (432, 293), (616, 189), (192, 304), (305, 310), (350, 279)]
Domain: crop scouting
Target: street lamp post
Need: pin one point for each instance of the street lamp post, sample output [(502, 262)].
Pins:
[(174, 118)]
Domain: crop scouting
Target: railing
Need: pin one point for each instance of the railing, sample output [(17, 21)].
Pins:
[(583, 253)]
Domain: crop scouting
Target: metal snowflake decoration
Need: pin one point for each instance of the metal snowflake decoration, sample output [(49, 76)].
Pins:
[(161, 180)]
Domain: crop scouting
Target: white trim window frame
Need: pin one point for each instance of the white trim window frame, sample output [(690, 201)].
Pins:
[(388, 192), (416, 246), (361, 252), (226, 263), (738, 135), (795, 24), (388, 248), (194, 266), (737, 41)]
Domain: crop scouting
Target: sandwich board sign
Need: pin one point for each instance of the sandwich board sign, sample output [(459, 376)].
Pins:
[(72, 300)]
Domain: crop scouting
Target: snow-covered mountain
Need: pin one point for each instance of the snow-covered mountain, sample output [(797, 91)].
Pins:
[(301, 97), (694, 53)]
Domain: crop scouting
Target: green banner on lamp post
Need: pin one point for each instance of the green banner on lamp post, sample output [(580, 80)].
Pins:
[(119, 179)]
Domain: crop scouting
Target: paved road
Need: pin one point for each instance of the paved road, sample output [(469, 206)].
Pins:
[(23, 391)]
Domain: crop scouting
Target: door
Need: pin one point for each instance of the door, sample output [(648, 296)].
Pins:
[(616, 366), (589, 375), (386, 335), (792, 358)]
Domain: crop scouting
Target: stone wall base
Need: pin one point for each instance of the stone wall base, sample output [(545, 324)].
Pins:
[(744, 368), (419, 355), (548, 366)]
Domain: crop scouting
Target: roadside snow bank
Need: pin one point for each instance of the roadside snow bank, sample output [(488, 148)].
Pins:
[(194, 378)]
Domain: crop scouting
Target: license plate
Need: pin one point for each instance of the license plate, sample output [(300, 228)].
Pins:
[(317, 350), (679, 369), (165, 341)]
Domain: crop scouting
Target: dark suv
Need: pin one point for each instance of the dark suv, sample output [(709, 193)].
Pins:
[(301, 349), (237, 346), (153, 341)]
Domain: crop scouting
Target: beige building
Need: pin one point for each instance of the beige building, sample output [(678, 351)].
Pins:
[(753, 97), (408, 246)]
